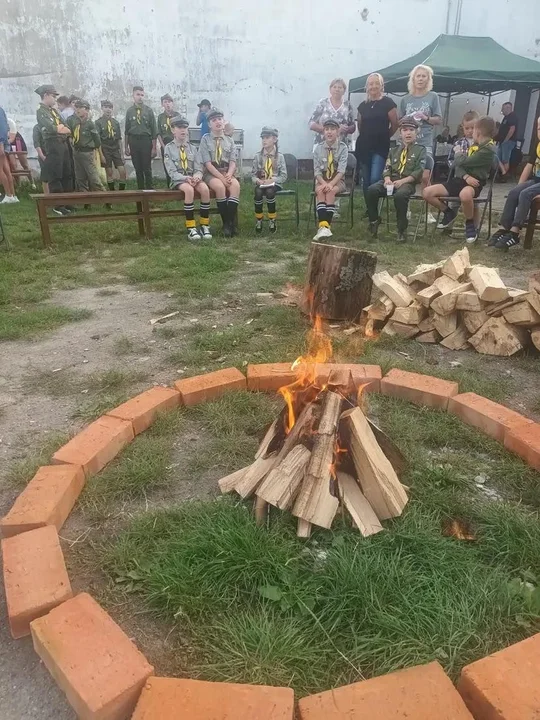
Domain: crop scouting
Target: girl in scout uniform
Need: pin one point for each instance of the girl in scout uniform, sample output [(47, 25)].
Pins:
[(269, 173), (218, 155), (184, 168), (111, 145), (330, 164)]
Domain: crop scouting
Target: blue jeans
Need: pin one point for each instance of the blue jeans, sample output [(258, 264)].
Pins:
[(372, 171), (518, 203), (504, 150)]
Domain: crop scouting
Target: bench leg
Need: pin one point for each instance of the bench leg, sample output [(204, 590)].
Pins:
[(44, 224), (531, 225), (140, 221), (147, 220)]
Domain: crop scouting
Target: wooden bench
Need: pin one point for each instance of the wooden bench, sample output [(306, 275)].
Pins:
[(142, 199), (532, 223)]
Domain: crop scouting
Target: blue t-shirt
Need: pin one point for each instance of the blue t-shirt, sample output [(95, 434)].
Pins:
[(4, 127), (205, 127)]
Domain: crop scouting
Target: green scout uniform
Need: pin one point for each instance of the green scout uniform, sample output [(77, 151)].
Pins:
[(181, 162), (272, 167), (110, 135), (165, 133), (403, 161), (329, 160), (140, 132), (85, 142), (57, 166), (37, 139), (478, 162), (219, 150)]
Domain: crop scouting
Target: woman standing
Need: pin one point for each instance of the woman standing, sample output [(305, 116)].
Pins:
[(377, 122), (335, 108)]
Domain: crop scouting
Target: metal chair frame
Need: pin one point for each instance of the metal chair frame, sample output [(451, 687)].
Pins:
[(291, 162)]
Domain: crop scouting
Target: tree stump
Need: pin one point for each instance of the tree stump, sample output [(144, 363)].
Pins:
[(339, 281)]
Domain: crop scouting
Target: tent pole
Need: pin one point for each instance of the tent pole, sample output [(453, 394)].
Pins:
[(447, 109), (489, 103)]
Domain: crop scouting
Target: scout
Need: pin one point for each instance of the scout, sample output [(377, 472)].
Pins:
[(37, 138), (164, 131), (111, 145), (403, 170), (184, 168), (140, 138), (57, 165), (218, 156), (330, 164), (85, 142), (269, 173)]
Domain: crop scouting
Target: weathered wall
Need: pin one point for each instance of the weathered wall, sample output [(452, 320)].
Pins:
[(263, 63)]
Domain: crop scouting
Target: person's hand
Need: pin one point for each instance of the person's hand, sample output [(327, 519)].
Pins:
[(63, 130), (473, 182), (343, 129), (422, 116), (398, 184), (127, 151), (387, 181), (227, 179)]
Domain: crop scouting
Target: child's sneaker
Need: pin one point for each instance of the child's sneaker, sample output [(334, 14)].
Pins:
[(471, 233), (322, 232), (259, 227), (193, 235), (448, 218), (508, 241), (272, 226), (205, 232), (497, 236)]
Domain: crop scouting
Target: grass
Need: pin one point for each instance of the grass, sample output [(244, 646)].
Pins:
[(17, 323)]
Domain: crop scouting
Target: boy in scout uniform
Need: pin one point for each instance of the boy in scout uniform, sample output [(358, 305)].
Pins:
[(403, 171), (330, 164), (37, 139), (56, 166), (86, 141), (218, 156), (269, 173), (184, 168), (110, 135), (140, 138), (164, 130)]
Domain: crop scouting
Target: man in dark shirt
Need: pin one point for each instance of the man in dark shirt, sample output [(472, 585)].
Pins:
[(164, 131), (506, 137), (140, 138)]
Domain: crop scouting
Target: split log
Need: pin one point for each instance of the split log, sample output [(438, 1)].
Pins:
[(339, 281), (474, 320), (497, 337), (535, 337), (428, 295), (396, 328), (445, 324), (229, 482), (470, 301), (534, 299), (426, 273), (261, 511), (426, 325), (282, 483), (399, 293), (514, 296), (432, 336), (253, 475), (389, 448), (411, 315), (303, 528), (445, 284), (534, 281), (488, 284), (377, 477), (457, 265), (456, 340), (361, 512), (268, 437), (315, 503), (446, 303), (381, 308), (522, 314)]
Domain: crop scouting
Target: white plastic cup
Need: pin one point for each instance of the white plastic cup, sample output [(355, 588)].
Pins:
[(389, 190)]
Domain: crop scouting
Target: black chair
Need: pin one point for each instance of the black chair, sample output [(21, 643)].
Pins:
[(292, 172), (350, 174)]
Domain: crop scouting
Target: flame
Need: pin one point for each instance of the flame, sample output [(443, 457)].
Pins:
[(369, 330), (458, 529)]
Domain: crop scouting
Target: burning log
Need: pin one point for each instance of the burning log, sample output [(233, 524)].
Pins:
[(281, 485), (361, 512)]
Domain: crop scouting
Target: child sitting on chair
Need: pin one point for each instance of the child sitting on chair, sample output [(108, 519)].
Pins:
[(404, 169), (268, 174), (184, 167), (471, 171), (330, 165)]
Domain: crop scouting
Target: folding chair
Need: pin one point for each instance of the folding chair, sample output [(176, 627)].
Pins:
[(424, 214), (292, 171), (349, 179)]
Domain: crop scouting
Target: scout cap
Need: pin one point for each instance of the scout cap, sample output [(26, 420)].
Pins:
[(82, 104), (409, 122), (204, 102), (214, 113), (106, 103), (166, 97), (179, 121), (47, 90), (330, 123), (267, 130)]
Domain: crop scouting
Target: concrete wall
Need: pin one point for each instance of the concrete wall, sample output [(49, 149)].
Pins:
[(262, 63)]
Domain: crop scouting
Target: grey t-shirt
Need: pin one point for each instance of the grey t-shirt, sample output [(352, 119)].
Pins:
[(430, 105)]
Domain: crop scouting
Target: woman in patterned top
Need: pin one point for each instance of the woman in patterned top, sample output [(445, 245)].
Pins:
[(333, 108)]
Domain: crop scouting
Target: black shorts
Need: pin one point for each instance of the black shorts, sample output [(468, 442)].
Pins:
[(112, 156), (455, 185)]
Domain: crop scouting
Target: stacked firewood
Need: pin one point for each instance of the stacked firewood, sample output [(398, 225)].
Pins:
[(457, 305), (332, 456)]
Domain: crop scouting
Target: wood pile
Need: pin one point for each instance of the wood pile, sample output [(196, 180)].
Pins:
[(332, 458), (457, 305)]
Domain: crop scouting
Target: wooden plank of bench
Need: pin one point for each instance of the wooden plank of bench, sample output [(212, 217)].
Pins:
[(97, 217)]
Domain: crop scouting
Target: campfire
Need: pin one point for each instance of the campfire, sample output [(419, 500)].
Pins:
[(323, 453)]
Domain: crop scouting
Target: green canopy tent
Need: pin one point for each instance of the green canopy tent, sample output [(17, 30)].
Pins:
[(462, 64)]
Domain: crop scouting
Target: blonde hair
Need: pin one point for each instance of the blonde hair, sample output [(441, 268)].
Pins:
[(470, 115), (341, 81), (379, 78), (416, 68)]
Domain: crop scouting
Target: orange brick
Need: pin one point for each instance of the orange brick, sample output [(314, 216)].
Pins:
[(92, 660), (340, 373), (269, 377), (504, 686), (418, 693), (525, 442), (96, 445), (210, 386), (488, 416), (46, 500), (141, 410), (35, 577), (171, 699), (419, 389)]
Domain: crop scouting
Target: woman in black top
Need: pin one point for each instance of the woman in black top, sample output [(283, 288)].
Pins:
[(377, 122)]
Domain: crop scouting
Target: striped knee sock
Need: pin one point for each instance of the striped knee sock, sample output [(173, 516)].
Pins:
[(189, 209), (222, 209), (330, 210), (271, 205), (259, 209), (322, 215), (204, 213)]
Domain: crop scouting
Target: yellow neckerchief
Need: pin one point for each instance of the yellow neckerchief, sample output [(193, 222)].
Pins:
[(183, 158), (168, 123), (330, 163), (56, 117), (475, 147), (268, 168), (402, 160), (219, 149), (138, 115), (537, 160), (77, 133), (110, 129)]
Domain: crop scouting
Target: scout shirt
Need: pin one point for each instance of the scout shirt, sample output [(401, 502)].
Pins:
[(140, 120), (48, 120), (164, 127), (109, 131), (405, 160), (220, 150), (329, 160), (478, 162), (84, 133), (181, 162), (37, 137), (269, 167)]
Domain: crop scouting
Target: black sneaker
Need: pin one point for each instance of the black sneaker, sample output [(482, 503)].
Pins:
[(508, 241), (70, 209), (497, 235), (374, 228), (60, 210), (449, 215), (259, 227), (272, 226), (471, 233)]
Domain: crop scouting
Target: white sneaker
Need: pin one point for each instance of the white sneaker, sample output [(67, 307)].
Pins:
[(431, 219), (325, 232), (193, 234), (205, 232), (9, 200)]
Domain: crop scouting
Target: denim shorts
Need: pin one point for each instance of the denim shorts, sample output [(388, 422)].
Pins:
[(504, 150)]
